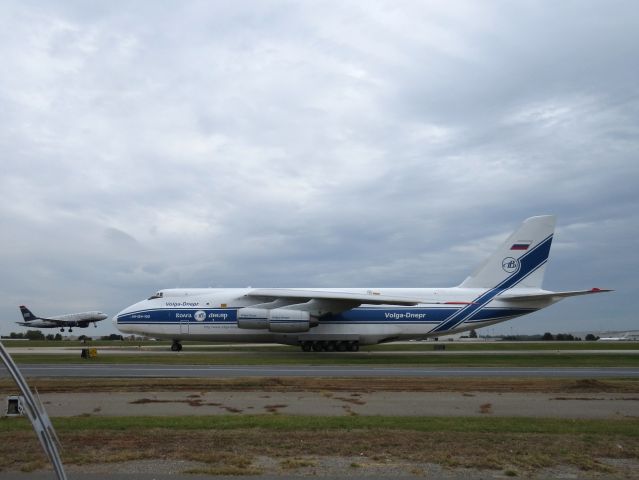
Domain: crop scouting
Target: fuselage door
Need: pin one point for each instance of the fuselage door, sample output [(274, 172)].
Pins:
[(184, 325)]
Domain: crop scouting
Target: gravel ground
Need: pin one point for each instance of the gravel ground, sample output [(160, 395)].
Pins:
[(515, 404)]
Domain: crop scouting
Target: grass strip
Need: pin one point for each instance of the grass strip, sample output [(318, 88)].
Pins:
[(624, 427), (235, 444), (397, 347), (298, 358), (503, 346)]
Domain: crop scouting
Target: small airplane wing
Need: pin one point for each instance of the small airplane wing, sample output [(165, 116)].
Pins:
[(549, 295), (55, 321)]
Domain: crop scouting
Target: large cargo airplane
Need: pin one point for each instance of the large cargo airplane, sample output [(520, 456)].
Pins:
[(69, 320), (506, 286)]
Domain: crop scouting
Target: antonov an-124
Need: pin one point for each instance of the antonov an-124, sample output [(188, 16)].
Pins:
[(505, 286)]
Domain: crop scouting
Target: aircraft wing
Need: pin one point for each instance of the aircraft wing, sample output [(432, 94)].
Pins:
[(56, 321), (549, 295), (322, 302), (358, 298), (50, 322)]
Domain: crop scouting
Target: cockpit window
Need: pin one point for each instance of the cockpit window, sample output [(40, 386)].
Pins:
[(156, 295)]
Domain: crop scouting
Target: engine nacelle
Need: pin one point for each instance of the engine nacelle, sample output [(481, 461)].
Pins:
[(277, 320)]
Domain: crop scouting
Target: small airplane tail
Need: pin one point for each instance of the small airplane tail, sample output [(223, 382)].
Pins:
[(520, 261), (26, 314)]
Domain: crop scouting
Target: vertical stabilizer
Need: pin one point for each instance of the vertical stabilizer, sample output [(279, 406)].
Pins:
[(26, 314), (520, 261)]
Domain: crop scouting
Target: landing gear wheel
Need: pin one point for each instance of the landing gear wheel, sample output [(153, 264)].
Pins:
[(317, 347), (341, 346), (62, 329), (353, 347), (330, 346), (307, 346), (176, 346)]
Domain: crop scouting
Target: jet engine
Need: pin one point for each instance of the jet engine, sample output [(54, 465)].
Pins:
[(277, 320)]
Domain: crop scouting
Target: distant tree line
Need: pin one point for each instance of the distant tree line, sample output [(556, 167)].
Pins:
[(38, 335), (561, 337), (567, 337), (521, 338), (35, 335)]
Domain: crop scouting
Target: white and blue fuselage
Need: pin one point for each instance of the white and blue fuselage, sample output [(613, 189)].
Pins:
[(506, 286), (212, 314)]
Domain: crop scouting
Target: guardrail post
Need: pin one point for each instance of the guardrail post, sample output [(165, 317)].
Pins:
[(37, 415)]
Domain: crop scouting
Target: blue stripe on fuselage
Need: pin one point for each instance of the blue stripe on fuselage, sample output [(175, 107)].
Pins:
[(182, 315), (375, 315)]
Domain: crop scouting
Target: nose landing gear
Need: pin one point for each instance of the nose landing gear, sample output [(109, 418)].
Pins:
[(176, 346)]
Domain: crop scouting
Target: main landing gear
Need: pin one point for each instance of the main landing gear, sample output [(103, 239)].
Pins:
[(176, 346), (330, 346)]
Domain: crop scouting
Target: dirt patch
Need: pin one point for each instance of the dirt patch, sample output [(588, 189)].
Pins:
[(193, 402), (486, 408), (354, 401), (274, 408)]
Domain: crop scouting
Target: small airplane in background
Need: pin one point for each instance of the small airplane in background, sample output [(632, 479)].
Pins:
[(625, 337), (81, 319)]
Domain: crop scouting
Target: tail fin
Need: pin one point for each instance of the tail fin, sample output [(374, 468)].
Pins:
[(521, 259), (26, 314)]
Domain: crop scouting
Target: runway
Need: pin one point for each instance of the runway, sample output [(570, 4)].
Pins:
[(205, 371)]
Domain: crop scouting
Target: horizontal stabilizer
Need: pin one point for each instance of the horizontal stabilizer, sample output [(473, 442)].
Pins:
[(550, 295)]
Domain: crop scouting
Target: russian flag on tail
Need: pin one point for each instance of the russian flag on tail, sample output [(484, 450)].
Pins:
[(521, 245)]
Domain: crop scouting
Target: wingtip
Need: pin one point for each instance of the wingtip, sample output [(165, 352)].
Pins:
[(601, 290)]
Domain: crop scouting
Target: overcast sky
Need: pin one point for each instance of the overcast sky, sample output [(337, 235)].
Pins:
[(146, 145)]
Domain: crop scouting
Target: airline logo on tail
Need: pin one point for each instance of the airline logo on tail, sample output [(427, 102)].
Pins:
[(510, 264), (26, 314)]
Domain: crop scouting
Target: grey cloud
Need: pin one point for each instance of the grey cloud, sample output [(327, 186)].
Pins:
[(282, 144)]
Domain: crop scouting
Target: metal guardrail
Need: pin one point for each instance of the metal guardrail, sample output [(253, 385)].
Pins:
[(37, 415)]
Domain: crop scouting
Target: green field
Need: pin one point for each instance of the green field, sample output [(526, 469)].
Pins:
[(233, 444), (625, 427)]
